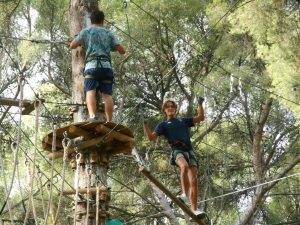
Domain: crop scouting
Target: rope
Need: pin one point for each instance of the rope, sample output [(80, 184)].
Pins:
[(5, 183), (97, 201), (51, 178), (16, 159), (88, 172), (261, 88), (125, 3), (168, 73), (20, 186), (32, 175), (40, 153), (138, 194), (28, 158), (208, 172), (78, 159), (36, 41), (220, 93), (66, 142), (39, 174), (248, 188)]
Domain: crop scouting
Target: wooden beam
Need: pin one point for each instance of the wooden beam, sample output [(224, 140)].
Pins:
[(116, 135), (14, 102), (125, 148), (49, 139), (28, 109), (79, 147), (79, 131), (26, 104), (84, 190), (55, 155), (177, 201), (122, 148)]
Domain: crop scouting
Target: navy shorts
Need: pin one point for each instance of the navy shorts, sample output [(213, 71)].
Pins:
[(102, 79)]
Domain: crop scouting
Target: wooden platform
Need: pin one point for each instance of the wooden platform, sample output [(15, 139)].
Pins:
[(95, 136)]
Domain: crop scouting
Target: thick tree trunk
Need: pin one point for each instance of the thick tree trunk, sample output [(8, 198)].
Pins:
[(88, 174), (79, 11)]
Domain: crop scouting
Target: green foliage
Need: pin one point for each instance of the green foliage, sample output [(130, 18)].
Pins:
[(175, 49)]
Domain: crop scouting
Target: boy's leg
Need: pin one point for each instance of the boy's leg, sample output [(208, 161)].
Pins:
[(192, 176), (91, 102), (183, 165), (109, 106)]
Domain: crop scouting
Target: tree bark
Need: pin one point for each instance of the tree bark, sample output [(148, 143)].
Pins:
[(88, 175), (256, 149), (79, 11), (258, 163)]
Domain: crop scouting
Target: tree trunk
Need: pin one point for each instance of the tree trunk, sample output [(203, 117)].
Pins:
[(256, 149), (79, 11), (258, 163), (88, 174)]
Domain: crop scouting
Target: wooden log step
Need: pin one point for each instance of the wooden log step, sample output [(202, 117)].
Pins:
[(116, 135), (92, 190), (112, 149)]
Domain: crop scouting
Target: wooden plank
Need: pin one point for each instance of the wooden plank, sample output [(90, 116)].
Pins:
[(177, 201), (74, 130), (111, 148), (55, 155), (116, 135), (60, 132), (28, 109), (80, 147), (124, 148), (14, 102), (49, 139), (84, 190)]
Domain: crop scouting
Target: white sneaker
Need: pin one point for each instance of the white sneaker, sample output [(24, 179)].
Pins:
[(198, 212), (184, 198)]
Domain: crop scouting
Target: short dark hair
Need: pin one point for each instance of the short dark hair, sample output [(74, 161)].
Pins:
[(97, 16)]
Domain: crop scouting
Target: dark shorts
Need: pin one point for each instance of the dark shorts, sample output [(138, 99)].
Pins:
[(102, 79), (189, 156)]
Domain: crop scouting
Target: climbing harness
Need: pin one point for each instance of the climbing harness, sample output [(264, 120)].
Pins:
[(104, 78)]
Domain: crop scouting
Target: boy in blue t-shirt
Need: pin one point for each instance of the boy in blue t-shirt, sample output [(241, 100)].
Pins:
[(98, 43), (177, 132)]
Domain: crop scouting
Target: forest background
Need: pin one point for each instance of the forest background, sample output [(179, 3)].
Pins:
[(242, 56)]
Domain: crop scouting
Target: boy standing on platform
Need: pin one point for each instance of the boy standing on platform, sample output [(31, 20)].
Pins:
[(98, 74)]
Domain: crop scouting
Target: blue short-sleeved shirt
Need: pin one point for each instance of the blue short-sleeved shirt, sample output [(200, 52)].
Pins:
[(97, 41), (176, 129)]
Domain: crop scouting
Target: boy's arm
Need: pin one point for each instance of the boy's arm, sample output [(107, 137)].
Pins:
[(74, 44), (150, 135), (200, 116)]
